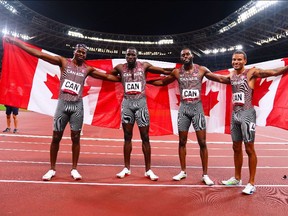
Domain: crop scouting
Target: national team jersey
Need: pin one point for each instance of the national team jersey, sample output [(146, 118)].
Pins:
[(133, 81), (242, 93), (72, 81), (190, 84)]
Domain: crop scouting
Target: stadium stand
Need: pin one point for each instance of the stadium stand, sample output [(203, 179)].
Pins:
[(263, 36)]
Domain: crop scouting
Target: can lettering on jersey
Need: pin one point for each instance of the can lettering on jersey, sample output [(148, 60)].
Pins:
[(70, 87), (190, 94), (238, 98), (133, 87)]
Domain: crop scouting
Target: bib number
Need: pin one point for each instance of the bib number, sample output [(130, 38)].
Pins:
[(252, 126), (133, 87), (238, 98), (190, 94), (71, 87)]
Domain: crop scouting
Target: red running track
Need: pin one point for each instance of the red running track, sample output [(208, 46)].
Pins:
[(24, 158)]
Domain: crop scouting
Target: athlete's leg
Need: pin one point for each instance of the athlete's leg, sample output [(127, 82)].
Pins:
[(146, 148), (127, 148), (201, 138), (54, 148), (238, 158), (252, 161), (60, 121), (182, 149), (75, 137), (76, 124)]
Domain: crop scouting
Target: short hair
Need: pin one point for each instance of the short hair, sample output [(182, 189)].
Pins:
[(132, 48), (187, 48), (78, 46), (240, 52)]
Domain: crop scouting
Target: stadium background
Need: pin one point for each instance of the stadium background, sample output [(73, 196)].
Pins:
[(263, 36), (24, 156)]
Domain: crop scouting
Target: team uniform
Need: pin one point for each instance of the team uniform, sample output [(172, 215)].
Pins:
[(243, 120), (191, 109), (134, 104), (70, 103)]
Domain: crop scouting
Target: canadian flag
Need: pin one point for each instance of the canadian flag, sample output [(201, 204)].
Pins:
[(33, 84)]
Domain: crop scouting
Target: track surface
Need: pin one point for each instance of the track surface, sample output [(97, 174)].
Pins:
[(24, 158)]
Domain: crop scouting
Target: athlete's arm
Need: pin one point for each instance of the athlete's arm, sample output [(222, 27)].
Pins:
[(261, 73), (55, 60), (165, 81), (103, 76), (215, 77), (157, 70)]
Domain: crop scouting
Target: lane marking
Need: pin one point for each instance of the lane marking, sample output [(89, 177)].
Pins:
[(132, 185), (139, 154), (133, 140), (137, 166)]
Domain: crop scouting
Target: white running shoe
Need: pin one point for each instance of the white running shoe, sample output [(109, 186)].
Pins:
[(151, 175), (75, 174), (48, 176), (207, 180), (180, 176), (249, 189), (123, 173), (232, 181)]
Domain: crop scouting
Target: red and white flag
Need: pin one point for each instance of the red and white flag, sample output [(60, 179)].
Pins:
[(33, 84)]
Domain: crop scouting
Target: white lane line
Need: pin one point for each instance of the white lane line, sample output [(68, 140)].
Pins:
[(137, 140), (271, 137), (130, 185), (138, 166), (135, 154)]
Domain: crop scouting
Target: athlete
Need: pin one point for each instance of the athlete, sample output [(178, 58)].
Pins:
[(190, 77), (134, 107), (243, 121), (70, 104)]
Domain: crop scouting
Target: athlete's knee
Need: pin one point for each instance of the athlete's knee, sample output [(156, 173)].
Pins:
[(128, 136), (249, 152), (182, 142), (203, 146), (249, 149), (202, 142), (75, 137), (146, 145), (145, 138), (237, 147), (57, 136)]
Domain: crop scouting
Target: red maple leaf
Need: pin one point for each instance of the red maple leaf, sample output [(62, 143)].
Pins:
[(209, 100), (53, 84), (260, 91)]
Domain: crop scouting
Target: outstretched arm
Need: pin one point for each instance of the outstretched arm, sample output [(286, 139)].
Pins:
[(215, 77), (157, 70), (55, 60), (165, 81), (218, 78), (261, 73), (104, 76)]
